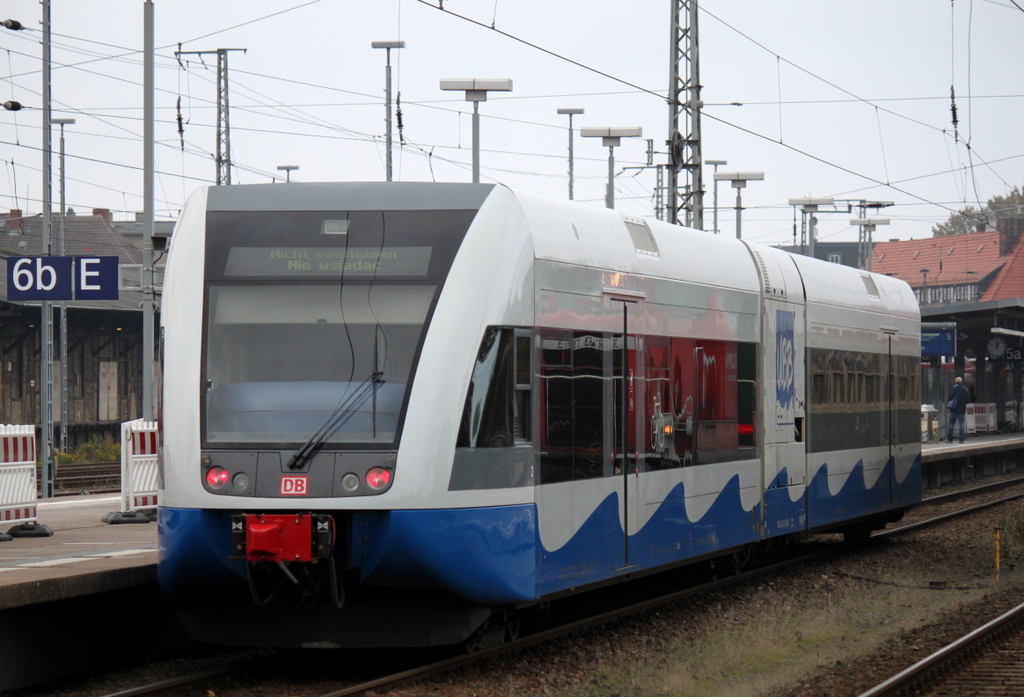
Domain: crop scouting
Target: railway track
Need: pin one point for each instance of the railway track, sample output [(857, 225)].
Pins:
[(88, 478), (988, 661), (419, 673)]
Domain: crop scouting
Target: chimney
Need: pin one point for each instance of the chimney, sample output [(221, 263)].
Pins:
[(1009, 233), (103, 213), (14, 222)]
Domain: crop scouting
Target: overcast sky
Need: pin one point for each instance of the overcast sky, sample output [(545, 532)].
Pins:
[(828, 99)]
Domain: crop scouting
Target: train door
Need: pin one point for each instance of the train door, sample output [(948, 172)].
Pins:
[(625, 408), (785, 461), (782, 399)]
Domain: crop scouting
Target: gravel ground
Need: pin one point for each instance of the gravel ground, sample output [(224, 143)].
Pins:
[(830, 628)]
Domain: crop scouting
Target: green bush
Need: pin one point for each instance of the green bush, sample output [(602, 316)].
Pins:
[(97, 449)]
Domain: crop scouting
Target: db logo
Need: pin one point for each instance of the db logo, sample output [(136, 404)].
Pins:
[(294, 486)]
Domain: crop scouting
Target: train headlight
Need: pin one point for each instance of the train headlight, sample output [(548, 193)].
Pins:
[(217, 477), (378, 478), (350, 483), (240, 481)]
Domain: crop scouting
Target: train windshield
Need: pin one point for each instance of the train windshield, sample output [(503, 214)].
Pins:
[(319, 336)]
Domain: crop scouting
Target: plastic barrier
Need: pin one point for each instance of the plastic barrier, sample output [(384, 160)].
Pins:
[(991, 418), (18, 492), (140, 474), (976, 421)]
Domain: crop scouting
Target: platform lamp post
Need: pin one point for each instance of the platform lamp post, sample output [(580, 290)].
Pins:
[(716, 164), (476, 91), (287, 169), (868, 226), (611, 137), (62, 251), (387, 46), (739, 182), (570, 113), (809, 206)]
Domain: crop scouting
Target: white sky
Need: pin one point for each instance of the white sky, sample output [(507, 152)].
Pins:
[(857, 93)]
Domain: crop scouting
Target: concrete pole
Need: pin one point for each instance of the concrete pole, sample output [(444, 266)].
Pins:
[(570, 158), (148, 195), (739, 212), (46, 306), (387, 100), (61, 251), (476, 142), (609, 198)]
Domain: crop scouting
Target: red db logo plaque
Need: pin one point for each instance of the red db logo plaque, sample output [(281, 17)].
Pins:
[(294, 486)]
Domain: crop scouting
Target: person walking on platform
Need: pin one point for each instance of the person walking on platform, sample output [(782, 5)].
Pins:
[(956, 402)]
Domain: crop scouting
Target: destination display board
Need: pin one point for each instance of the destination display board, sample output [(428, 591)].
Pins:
[(328, 261)]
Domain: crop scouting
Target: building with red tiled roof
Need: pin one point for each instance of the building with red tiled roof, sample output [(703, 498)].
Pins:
[(949, 270), (975, 282)]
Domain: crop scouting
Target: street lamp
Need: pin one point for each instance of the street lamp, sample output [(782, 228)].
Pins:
[(739, 182), (287, 169), (388, 45), (61, 251), (570, 113), (868, 226), (476, 91), (807, 207), (611, 137), (716, 163)]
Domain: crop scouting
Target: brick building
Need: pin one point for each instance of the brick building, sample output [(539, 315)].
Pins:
[(104, 337)]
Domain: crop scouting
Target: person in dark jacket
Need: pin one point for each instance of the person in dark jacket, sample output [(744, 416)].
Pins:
[(956, 401)]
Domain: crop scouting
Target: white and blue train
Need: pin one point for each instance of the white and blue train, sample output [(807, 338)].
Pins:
[(396, 413)]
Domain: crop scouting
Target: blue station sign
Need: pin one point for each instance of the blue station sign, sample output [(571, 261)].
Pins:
[(62, 278), (938, 342)]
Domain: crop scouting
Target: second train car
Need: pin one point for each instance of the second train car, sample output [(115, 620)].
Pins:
[(396, 413)]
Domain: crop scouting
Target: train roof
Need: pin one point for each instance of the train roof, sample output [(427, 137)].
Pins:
[(348, 196), (570, 232)]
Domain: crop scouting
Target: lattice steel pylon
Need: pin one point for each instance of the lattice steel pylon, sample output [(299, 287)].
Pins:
[(684, 145), (223, 156)]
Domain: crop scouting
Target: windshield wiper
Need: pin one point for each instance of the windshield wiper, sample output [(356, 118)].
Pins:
[(341, 414)]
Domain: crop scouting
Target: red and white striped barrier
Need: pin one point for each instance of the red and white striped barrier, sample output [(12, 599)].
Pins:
[(18, 493), (140, 475)]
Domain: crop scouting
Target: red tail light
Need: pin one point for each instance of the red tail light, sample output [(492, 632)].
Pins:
[(378, 478), (217, 477), (746, 429)]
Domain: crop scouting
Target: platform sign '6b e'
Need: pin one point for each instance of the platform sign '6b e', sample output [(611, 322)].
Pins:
[(62, 278)]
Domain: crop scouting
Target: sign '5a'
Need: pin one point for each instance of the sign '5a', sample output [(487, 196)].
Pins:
[(62, 278)]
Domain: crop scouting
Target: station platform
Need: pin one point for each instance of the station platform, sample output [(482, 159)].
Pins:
[(86, 556), (83, 556)]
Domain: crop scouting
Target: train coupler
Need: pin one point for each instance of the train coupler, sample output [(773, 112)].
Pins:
[(293, 537)]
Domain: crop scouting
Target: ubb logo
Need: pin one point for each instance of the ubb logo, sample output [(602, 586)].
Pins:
[(785, 388)]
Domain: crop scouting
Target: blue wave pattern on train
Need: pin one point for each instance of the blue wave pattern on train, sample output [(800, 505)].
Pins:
[(396, 414)]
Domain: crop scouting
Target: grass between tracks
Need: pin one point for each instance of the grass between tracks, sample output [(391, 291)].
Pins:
[(762, 640)]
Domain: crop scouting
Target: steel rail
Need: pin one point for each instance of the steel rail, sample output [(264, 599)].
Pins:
[(928, 667), (974, 490)]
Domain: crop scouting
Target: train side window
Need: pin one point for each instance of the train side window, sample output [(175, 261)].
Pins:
[(524, 383), (497, 409)]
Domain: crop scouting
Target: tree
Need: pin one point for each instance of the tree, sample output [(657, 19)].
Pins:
[(960, 223), (997, 207)]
